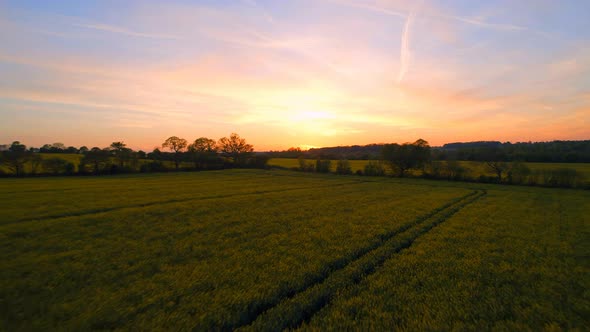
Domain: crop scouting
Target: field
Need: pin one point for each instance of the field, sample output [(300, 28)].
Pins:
[(474, 168), (271, 250)]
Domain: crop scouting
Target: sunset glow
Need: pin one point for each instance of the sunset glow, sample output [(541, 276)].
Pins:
[(293, 73)]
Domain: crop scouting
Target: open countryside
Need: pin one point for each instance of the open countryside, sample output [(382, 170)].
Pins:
[(269, 250), (308, 165)]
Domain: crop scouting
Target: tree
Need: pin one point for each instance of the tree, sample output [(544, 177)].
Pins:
[(97, 158), (323, 165), (453, 169), (518, 172), (203, 151), (55, 165), (304, 165), (156, 154), (498, 167), (83, 149), (343, 167), (36, 161), (374, 169), (176, 145), (236, 148), (16, 157), (406, 156), (122, 152)]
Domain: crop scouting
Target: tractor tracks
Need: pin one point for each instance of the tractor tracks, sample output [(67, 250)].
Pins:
[(290, 310)]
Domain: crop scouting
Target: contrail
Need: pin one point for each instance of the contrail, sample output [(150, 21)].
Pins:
[(405, 53)]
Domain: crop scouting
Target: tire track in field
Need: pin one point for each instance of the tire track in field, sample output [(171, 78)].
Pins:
[(299, 306), (170, 201)]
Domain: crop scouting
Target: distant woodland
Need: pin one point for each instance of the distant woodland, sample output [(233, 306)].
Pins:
[(553, 152), (506, 161)]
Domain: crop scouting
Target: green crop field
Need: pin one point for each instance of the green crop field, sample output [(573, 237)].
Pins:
[(272, 250), (474, 168)]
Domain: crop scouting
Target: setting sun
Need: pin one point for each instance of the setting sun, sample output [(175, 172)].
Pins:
[(282, 165)]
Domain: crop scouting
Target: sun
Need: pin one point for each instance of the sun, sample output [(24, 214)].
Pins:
[(308, 116)]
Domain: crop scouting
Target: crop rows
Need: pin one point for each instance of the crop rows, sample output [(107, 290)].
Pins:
[(301, 305), (198, 263), (516, 260), (259, 250)]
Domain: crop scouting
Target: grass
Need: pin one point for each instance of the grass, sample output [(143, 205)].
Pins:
[(266, 250)]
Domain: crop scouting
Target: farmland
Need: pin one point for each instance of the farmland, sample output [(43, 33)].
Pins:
[(268, 250), (475, 167)]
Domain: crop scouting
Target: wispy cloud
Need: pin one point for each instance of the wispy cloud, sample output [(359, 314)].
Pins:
[(123, 31), (324, 78), (482, 24), (367, 6), (433, 14), (253, 3)]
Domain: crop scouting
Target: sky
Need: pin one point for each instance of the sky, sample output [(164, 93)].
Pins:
[(293, 73)]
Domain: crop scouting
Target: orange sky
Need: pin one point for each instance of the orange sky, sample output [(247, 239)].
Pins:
[(293, 73)]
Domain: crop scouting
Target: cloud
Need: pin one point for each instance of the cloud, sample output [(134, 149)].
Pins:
[(370, 7), (123, 31), (267, 16), (482, 24), (430, 13)]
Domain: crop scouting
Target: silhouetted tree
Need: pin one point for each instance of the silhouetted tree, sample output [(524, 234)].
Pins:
[(156, 154), (304, 165), (16, 157), (518, 172), (373, 168), (36, 160), (176, 145), (203, 152), (122, 153), (343, 167), (55, 165), (498, 167), (323, 165), (406, 156), (453, 170), (97, 158), (83, 149), (236, 148)]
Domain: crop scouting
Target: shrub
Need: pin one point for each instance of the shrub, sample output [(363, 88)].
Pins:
[(323, 165), (55, 166), (154, 166), (343, 167), (374, 169), (304, 165)]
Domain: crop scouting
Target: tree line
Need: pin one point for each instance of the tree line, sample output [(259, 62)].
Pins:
[(201, 154), (416, 160), (555, 152)]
